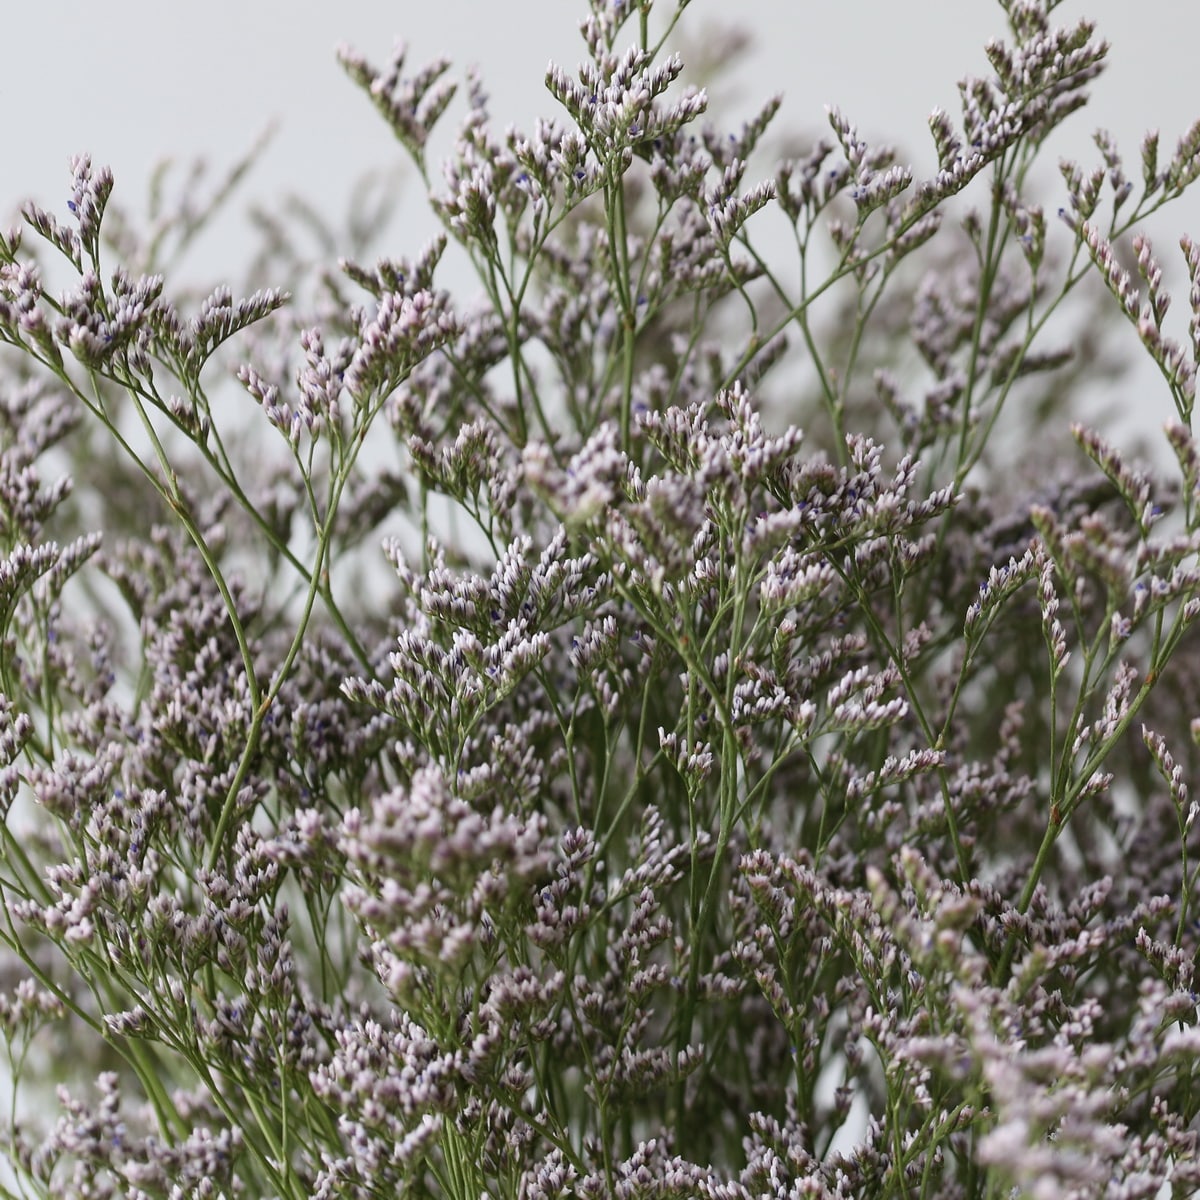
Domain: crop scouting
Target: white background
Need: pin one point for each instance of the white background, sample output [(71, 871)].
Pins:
[(132, 81)]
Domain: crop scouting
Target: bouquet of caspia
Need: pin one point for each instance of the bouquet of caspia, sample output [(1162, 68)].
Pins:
[(686, 753)]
